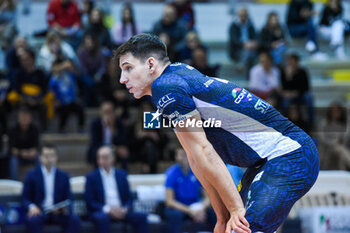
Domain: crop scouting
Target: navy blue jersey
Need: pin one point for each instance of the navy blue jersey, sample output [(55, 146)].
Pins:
[(251, 129)]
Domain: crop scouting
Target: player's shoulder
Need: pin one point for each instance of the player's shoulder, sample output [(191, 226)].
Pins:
[(171, 77), (171, 82)]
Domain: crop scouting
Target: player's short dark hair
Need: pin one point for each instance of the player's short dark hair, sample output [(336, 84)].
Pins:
[(142, 46)]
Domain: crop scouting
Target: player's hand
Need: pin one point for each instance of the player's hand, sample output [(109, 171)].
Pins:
[(220, 227), (237, 222)]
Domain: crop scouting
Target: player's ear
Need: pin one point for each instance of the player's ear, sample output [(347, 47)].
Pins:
[(151, 62)]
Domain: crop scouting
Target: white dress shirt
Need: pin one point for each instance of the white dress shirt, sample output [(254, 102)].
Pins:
[(49, 186), (110, 188), (260, 80), (107, 134)]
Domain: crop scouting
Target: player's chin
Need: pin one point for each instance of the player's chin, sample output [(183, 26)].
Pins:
[(138, 95)]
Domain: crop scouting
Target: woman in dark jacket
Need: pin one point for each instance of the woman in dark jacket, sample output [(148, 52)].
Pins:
[(272, 38)]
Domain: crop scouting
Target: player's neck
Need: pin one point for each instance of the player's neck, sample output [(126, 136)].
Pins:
[(161, 69), (157, 74)]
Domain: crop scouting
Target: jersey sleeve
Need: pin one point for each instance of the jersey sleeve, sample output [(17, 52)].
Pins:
[(173, 99)]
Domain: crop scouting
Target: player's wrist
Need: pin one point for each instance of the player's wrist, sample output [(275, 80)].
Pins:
[(234, 211)]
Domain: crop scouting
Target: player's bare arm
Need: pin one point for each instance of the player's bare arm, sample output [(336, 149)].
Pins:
[(211, 169)]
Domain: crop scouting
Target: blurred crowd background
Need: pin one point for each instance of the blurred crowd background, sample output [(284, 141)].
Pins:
[(60, 85), (296, 60)]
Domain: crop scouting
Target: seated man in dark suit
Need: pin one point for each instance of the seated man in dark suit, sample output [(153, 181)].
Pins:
[(108, 196), (108, 130), (44, 187)]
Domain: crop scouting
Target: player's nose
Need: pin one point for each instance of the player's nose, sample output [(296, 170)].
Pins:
[(123, 79)]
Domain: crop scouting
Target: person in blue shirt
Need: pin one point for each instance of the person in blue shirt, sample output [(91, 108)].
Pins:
[(218, 122), (235, 172), (185, 197), (63, 85)]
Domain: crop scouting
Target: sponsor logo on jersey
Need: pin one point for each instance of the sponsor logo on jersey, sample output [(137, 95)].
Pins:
[(241, 96), (258, 176), (221, 80), (261, 106), (244, 94), (207, 83), (250, 97), (234, 92), (189, 67), (165, 101)]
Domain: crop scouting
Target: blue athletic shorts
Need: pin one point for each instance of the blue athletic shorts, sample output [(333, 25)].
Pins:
[(270, 189)]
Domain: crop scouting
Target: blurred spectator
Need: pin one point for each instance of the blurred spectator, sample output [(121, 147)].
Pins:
[(63, 85), (295, 115), (108, 196), (296, 87), (243, 40), (185, 12), (334, 155), (108, 130), (98, 29), (93, 65), (264, 78), (43, 188), (332, 27), (200, 62), (148, 145), (8, 29), (185, 197), (300, 23), (23, 143), (3, 156), (173, 56), (31, 85), (272, 38), (85, 12), (12, 56), (185, 50), (26, 6), (63, 16), (170, 25), (122, 31), (4, 88), (235, 172), (54, 47)]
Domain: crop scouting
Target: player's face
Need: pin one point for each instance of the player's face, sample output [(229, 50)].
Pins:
[(135, 75)]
